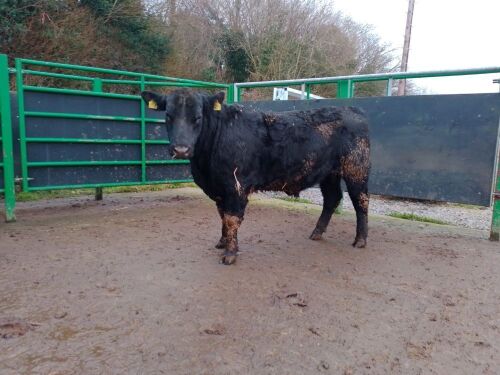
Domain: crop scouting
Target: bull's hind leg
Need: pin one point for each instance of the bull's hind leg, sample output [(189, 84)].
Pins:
[(358, 192), (332, 194), (355, 170)]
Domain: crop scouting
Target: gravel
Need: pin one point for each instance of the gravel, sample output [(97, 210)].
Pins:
[(474, 217)]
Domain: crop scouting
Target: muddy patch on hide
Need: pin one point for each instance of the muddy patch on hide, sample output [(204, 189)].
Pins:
[(356, 164), (269, 119), (307, 167), (326, 129), (364, 201)]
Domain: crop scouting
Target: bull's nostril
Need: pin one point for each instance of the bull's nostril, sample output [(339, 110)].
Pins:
[(181, 152), (181, 149)]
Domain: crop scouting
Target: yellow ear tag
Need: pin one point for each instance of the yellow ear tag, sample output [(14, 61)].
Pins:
[(152, 105), (217, 106)]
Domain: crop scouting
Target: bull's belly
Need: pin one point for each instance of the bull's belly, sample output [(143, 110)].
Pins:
[(303, 179), (291, 187), (292, 190)]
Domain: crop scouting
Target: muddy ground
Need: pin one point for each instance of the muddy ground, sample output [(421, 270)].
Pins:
[(132, 285)]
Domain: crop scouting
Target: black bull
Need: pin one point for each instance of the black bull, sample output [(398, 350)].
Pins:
[(235, 152)]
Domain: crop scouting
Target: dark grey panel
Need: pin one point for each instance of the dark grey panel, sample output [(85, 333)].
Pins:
[(73, 128), (83, 175), (155, 114), (157, 152), (82, 152), (438, 147), (1, 178), (156, 131), (82, 104), (168, 172)]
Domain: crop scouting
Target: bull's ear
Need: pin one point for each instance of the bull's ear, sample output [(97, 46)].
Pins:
[(154, 101), (217, 100)]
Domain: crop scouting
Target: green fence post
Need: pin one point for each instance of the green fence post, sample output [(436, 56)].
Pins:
[(143, 133), (495, 222), (308, 91), (230, 94), (495, 219), (344, 89), (6, 138), (97, 87), (22, 124), (98, 194), (237, 93)]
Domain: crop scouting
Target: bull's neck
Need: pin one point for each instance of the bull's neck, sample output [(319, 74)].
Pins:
[(206, 143)]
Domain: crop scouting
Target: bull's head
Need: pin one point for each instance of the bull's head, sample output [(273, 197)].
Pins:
[(185, 112)]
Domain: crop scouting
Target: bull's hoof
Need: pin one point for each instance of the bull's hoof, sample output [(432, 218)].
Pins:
[(359, 243), (221, 244), (228, 258), (315, 236)]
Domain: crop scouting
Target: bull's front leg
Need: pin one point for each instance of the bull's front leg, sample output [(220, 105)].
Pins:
[(223, 239), (233, 210), (231, 223)]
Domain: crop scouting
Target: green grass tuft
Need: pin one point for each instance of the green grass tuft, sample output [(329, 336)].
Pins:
[(50, 194), (295, 200), (146, 188), (414, 217), (54, 194)]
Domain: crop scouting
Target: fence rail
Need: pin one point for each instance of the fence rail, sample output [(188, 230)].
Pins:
[(346, 84)]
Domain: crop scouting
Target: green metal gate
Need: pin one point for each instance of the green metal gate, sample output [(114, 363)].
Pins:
[(97, 83)]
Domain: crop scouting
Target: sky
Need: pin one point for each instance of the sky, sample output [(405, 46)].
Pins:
[(446, 34)]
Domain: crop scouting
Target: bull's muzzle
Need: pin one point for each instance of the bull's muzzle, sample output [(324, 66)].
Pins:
[(181, 152)]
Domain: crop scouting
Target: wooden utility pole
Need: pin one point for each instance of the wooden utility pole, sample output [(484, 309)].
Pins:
[(406, 47), (237, 15), (172, 9)]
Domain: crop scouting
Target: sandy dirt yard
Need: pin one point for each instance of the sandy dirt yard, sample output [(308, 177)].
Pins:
[(132, 285)]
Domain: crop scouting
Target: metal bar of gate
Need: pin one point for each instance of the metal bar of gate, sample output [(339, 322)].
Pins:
[(7, 160)]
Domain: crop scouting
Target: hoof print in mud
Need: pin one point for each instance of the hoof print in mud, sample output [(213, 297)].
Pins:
[(13, 327)]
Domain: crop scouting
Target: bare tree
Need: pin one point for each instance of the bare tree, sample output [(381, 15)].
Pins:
[(282, 39)]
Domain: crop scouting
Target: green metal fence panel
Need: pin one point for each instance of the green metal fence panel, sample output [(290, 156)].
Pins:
[(7, 160), (99, 80)]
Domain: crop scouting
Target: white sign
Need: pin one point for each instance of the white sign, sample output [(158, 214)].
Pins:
[(280, 93)]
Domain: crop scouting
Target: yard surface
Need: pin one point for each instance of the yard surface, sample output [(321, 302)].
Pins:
[(132, 285)]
